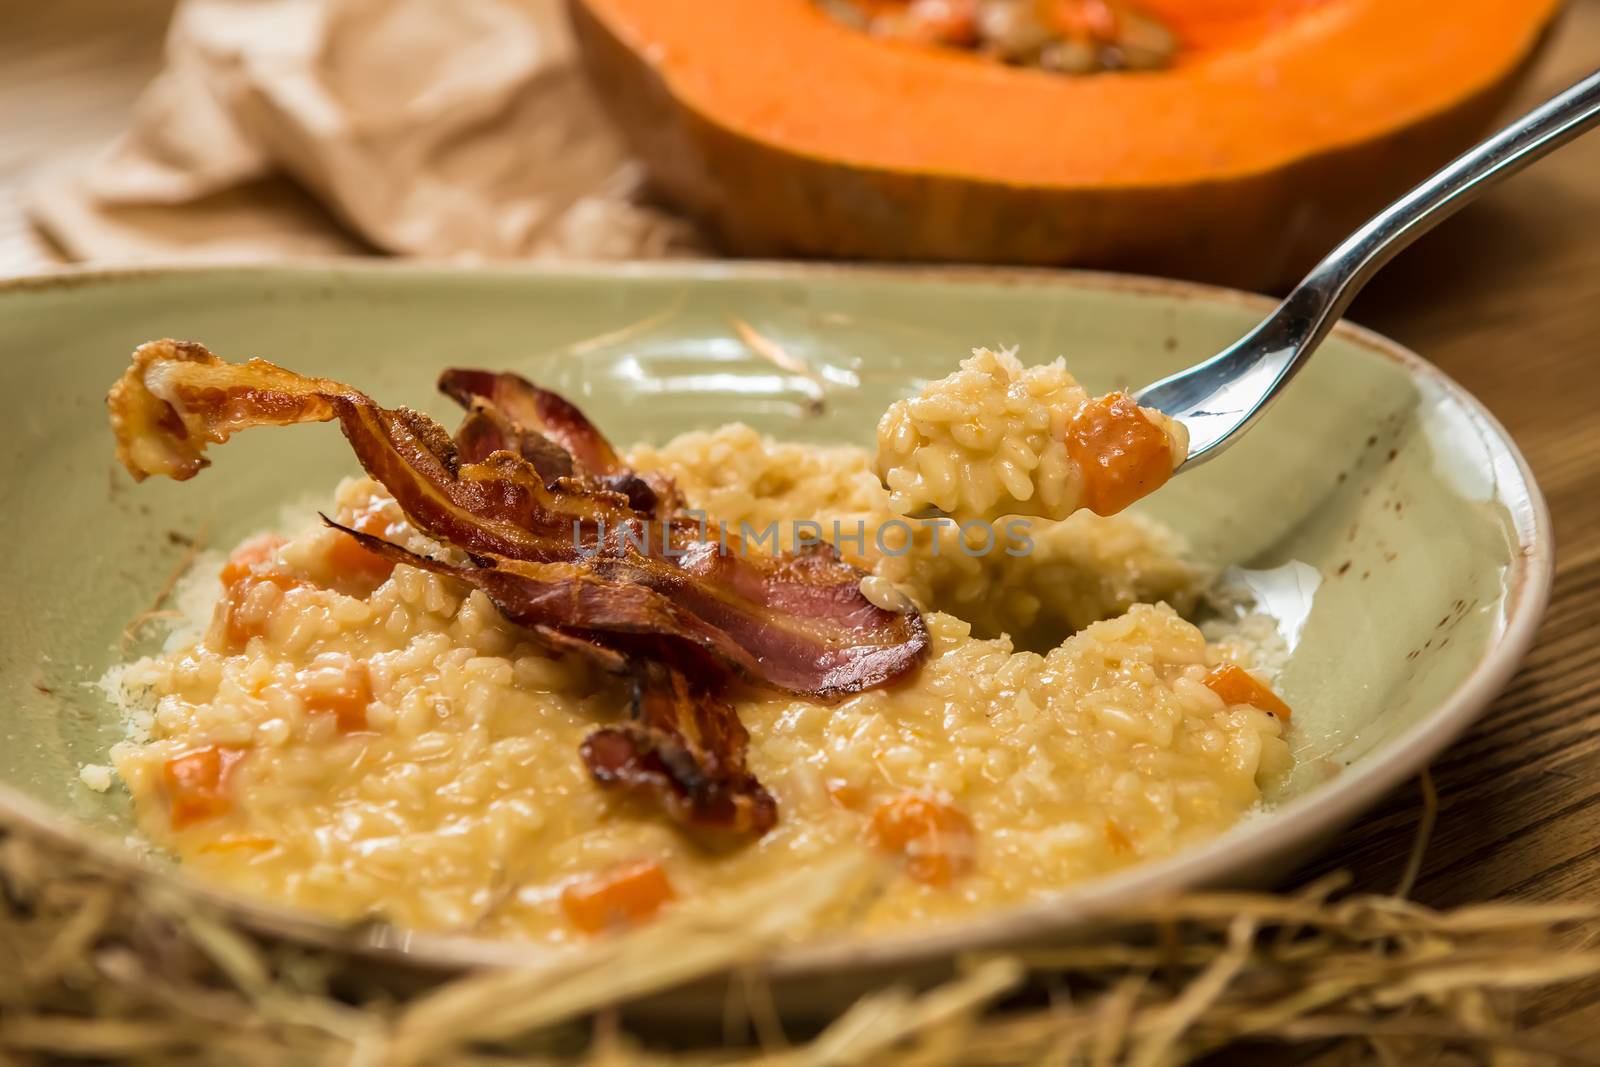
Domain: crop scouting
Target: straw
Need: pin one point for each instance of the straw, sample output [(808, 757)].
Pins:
[(97, 963)]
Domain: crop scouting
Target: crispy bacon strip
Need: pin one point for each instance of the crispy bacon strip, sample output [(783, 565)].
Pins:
[(621, 594), (685, 747), (168, 378), (531, 409), (797, 622), (512, 413), (585, 563), (485, 431)]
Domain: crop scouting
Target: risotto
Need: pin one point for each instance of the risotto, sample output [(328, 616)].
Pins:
[(372, 739), (995, 438)]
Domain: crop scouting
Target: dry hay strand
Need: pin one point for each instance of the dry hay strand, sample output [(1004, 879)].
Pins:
[(193, 547), (770, 350), (631, 330), (99, 964)]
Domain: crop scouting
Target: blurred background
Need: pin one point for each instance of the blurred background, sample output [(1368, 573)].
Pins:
[(468, 131)]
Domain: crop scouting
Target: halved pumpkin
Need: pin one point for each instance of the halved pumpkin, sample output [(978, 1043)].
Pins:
[(1279, 126)]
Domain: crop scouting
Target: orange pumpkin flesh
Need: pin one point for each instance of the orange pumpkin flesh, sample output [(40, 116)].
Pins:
[(1281, 126), (357, 568), (1123, 455), (196, 783), (1207, 27), (1235, 686), (938, 841), (626, 896), (346, 700)]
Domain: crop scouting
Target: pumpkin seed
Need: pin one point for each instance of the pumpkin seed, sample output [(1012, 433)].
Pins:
[(1065, 36)]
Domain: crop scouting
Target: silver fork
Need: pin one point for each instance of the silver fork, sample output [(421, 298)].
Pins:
[(1221, 398)]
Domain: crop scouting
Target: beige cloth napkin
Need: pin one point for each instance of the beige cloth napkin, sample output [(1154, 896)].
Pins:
[(457, 129)]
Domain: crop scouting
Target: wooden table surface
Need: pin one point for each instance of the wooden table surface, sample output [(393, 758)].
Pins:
[(1505, 297)]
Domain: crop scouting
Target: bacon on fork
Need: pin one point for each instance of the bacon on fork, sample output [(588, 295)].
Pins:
[(567, 541)]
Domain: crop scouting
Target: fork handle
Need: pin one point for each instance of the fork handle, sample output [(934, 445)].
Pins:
[(1347, 268), (1226, 394)]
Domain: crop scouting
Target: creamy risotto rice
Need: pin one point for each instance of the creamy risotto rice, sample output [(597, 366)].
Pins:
[(997, 438), (376, 744)]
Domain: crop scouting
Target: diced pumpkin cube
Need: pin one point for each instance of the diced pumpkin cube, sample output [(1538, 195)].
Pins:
[(197, 783), (246, 570), (346, 697), (846, 795), (1118, 840), (1121, 452), (937, 839), (1235, 685), (240, 844), (625, 896), (241, 620), (353, 561), (248, 556)]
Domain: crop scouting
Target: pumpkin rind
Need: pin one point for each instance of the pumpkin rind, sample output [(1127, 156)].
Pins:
[(1250, 208)]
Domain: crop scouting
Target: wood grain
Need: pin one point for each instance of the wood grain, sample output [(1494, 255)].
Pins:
[(1505, 297)]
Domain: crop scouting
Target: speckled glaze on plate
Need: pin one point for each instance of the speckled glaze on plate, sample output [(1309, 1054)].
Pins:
[(1380, 511)]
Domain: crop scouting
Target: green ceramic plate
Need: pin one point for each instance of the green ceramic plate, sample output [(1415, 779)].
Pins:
[(1383, 514)]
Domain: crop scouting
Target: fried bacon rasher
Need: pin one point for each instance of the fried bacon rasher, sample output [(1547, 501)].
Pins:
[(505, 411), (591, 557)]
